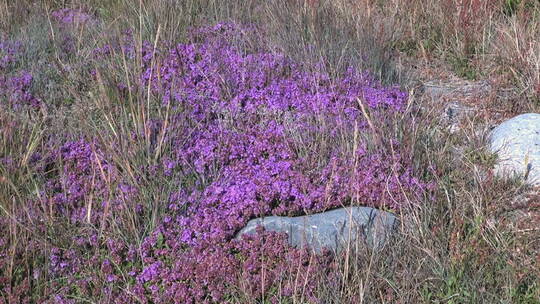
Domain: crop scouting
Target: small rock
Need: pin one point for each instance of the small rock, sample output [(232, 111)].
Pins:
[(517, 142), (331, 229), (455, 112)]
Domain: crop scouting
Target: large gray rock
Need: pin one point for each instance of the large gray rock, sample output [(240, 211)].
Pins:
[(517, 143), (331, 229)]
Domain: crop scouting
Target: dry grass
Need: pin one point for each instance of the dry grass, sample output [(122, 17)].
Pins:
[(518, 51), (479, 39)]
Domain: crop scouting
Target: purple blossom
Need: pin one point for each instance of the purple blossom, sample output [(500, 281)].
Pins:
[(151, 272), (9, 52), (18, 90), (67, 16)]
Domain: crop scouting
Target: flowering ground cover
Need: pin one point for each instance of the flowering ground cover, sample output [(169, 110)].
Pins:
[(238, 126), (128, 163)]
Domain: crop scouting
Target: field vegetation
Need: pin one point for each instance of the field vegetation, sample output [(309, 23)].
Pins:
[(138, 137)]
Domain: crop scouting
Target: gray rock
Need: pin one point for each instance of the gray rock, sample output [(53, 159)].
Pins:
[(331, 229), (455, 97), (517, 143), (461, 89), (455, 112)]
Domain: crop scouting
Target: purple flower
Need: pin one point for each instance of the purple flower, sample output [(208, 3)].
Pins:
[(111, 278), (151, 272)]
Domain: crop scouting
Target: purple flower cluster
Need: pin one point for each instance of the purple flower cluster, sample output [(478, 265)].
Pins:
[(84, 172), (209, 273), (126, 45), (248, 115), (251, 105), (15, 89), (18, 90), (68, 16), (251, 133), (8, 53), (68, 21)]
